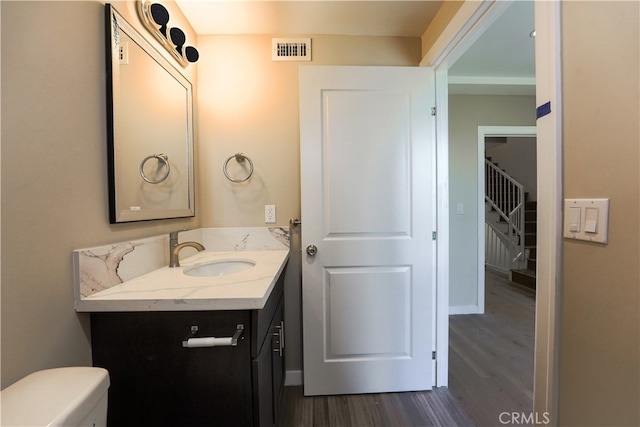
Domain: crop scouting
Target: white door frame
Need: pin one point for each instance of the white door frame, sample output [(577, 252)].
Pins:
[(550, 194), (484, 132), (466, 26)]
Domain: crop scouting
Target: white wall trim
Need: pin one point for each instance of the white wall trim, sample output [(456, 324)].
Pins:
[(510, 81), (293, 378), (457, 37), (483, 132), (463, 309), (442, 227), (549, 263), (468, 24), (506, 131)]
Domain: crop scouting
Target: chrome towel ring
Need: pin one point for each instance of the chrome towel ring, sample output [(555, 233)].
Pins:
[(240, 158), (162, 158)]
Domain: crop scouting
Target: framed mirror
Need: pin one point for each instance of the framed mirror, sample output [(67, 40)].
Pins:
[(149, 129)]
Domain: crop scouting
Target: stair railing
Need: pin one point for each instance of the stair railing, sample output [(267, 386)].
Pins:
[(497, 248), (506, 196)]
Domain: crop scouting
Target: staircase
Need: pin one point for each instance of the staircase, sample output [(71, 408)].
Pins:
[(510, 226), (527, 276)]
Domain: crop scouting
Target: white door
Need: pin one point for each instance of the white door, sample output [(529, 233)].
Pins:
[(367, 153)]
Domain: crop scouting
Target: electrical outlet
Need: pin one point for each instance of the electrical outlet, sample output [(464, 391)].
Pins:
[(270, 214)]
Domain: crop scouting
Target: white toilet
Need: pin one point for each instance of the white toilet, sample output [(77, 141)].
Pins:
[(57, 397)]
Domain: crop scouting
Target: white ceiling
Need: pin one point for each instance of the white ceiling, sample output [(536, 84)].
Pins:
[(286, 18), (500, 61)]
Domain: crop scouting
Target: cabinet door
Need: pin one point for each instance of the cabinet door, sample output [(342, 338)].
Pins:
[(155, 381), (268, 373), (277, 363)]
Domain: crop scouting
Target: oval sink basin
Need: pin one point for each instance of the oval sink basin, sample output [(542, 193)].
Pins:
[(222, 267)]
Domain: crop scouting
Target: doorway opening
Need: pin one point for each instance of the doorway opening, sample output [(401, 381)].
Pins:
[(469, 24), (507, 198), (476, 26)]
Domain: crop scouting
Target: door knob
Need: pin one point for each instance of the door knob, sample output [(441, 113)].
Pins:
[(312, 250)]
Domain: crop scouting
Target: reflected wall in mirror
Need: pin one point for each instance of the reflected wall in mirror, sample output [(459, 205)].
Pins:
[(149, 129)]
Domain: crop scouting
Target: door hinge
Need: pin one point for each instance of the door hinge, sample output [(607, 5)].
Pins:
[(433, 355), (434, 235), (433, 111)]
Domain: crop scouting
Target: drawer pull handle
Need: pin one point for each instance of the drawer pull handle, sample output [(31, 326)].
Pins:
[(279, 334), (191, 341)]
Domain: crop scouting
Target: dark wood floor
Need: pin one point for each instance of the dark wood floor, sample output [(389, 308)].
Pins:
[(491, 355), (490, 372)]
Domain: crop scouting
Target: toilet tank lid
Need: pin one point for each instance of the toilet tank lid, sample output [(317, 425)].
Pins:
[(53, 396)]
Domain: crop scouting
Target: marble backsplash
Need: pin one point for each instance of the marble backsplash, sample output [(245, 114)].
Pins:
[(99, 268)]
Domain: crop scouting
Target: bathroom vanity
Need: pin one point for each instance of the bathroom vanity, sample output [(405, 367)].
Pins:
[(153, 334)]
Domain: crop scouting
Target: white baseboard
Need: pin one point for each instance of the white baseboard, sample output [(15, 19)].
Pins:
[(499, 270), (293, 378), (463, 309)]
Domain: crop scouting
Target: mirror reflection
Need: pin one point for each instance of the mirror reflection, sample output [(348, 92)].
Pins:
[(150, 130)]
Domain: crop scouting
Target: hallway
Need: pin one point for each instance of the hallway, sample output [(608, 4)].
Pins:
[(490, 372), (491, 355)]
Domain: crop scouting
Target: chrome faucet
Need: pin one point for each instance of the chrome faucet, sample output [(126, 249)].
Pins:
[(175, 248)]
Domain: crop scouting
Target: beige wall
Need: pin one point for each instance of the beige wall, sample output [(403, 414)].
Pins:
[(446, 12), (54, 177), (249, 104), (466, 113), (600, 329)]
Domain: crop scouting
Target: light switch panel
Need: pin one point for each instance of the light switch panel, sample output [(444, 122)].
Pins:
[(586, 219)]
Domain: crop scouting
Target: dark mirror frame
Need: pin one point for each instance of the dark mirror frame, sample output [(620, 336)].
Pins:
[(119, 209)]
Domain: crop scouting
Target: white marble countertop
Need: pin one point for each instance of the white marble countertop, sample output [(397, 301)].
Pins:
[(169, 289)]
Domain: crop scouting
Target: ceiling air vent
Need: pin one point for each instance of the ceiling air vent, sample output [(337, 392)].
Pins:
[(291, 49)]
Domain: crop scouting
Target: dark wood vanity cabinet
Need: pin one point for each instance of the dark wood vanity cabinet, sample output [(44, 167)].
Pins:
[(268, 373), (155, 381)]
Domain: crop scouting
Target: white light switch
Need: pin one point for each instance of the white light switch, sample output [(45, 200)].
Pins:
[(574, 219), (591, 221), (586, 219)]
